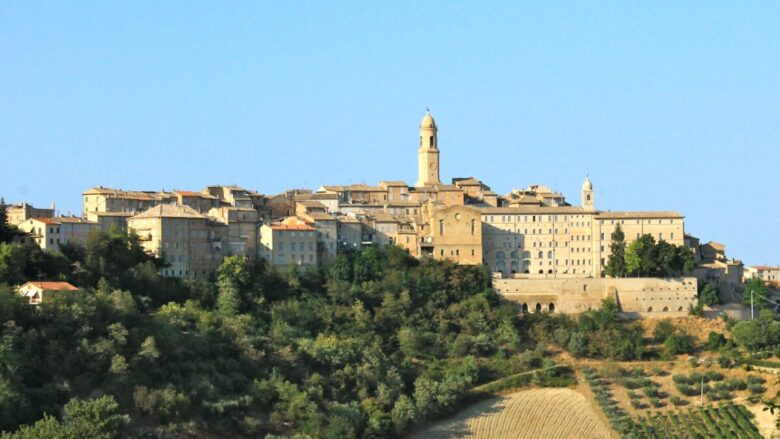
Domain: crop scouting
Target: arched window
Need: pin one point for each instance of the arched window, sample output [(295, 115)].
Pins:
[(550, 254), (588, 197), (551, 307), (525, 308), (538, 307), (515, 266), (541, 254), (500, 265), (680, 308), (650, 309), (513, 255), (541, 271), (666, 308), (549, 271), (526, 254), (499, 255), (431, 141)]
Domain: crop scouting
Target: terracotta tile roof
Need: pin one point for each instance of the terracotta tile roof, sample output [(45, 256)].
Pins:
[(49, 221), (99, 214), (531, 210), (764, 267), (317, 196), (133, 195), (316, 204), (468, 181), (319, 216), (291, 227), (53, 286), (170, 211), (637, 215), (74, 220)]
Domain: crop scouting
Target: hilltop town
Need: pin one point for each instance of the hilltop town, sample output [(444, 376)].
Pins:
[(544, 252)]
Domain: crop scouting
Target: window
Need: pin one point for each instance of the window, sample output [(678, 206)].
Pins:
[(672, 237), (473, 227), (431, 141), (441, 227), (472, 252)]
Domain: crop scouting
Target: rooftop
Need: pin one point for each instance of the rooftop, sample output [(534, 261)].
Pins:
[(170, 211), (52, 286)]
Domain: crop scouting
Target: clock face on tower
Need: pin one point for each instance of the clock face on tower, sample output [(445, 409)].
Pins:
[(432, 166)]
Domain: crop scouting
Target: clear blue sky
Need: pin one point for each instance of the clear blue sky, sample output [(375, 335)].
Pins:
[(670, 105)]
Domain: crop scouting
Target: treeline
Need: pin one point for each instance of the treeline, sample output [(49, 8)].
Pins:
[(369, 346), (645, 257)]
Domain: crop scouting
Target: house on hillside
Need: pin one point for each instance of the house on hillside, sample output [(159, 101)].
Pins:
[(34, 291)]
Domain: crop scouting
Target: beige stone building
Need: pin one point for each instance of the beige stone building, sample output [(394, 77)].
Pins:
[(636, 297), (192, 244), (538, 240), (100, 199), (107, 220), (19, 213), (242, 233), (51, 233), (457, 235), (766, 273), (45, 232), (327, 234), (290, 242)]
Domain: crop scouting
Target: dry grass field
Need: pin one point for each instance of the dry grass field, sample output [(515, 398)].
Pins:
[(533, 413)]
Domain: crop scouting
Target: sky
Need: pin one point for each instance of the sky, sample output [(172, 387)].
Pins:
[(668, 105)]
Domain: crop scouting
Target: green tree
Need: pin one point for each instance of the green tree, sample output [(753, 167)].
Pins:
[(641, 257), (756, 289), (616, 266), (7, 231), (663, 330), (709, 294)]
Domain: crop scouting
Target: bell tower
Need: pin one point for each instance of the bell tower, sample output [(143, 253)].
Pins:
[(588, 201), (428, 154)]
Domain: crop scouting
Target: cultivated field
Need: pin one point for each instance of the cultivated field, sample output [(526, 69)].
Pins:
[(534, 413)]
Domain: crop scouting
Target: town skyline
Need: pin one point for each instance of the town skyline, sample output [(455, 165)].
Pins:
[(141, 101)]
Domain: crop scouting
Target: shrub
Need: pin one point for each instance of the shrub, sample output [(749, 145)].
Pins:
[(735, 384), (715, 341), (663, 330), (677, 401), (714, 376), (629, 383), (657, 371), (657, 402), (680, 379), (687, 390), (756, 388), (651, 391), (677, 344), (753, 379)]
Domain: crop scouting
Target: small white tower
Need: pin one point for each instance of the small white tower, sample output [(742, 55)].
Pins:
[(588, 201)]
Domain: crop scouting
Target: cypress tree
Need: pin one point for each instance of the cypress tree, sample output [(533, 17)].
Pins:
[(616, 266)]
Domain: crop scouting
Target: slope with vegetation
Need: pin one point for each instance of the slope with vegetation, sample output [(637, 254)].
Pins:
[(369, 346)]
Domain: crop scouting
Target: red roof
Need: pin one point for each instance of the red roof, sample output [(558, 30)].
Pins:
[(54, 286), (292, 227), (49, 221)]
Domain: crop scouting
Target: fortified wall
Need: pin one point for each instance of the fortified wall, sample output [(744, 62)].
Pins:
[(636, 297)]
